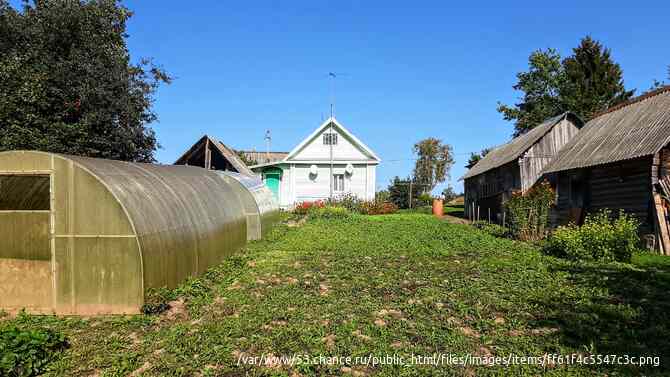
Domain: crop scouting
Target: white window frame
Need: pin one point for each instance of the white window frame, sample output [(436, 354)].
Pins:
[(338, 178)]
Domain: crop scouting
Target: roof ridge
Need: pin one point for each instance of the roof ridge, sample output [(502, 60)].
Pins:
[(632, 101)]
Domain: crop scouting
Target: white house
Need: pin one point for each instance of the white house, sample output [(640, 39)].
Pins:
[(330, 161)]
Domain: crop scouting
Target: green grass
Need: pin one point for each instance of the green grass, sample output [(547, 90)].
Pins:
[(397, 284)]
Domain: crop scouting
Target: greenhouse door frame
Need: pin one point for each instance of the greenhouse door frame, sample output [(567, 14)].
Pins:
[(28, 259)]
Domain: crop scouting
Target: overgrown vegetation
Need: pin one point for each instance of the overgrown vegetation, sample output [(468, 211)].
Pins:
[(157, 301), (529, 212), (603, 237), (492, 228), (27, 351), (329, 212), (400, 284), (345, 204)]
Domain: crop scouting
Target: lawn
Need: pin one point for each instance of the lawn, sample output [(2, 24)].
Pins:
[(392, 285)]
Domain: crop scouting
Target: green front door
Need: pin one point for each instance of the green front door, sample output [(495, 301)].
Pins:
[(272, 180)]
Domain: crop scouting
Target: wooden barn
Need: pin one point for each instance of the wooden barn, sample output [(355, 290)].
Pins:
[(514, 166), (619, 160)]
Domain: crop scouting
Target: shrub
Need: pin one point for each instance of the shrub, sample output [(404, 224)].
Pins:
[(602, 238), (529, 212), (375, 207), (305, 207), (492, 229), (347, 200), (382, 196), (398, 191), (329, 212), (156, 301), (424, 200), (27, 352)]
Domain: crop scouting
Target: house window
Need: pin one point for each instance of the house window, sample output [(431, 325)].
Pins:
[(329, 139), (338, 182)]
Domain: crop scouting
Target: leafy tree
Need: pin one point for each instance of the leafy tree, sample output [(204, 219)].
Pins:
[(67, 83), (449, 194), (399, 192), (382, 196), (475, 157), (540, 86), (657, 84), (434, 160), (247, 161), (593, 81), (585, 83)]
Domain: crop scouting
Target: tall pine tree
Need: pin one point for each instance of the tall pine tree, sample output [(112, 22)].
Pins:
[(593, 81), (585, 83)]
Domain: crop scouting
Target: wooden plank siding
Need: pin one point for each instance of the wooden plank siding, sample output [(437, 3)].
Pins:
[(489, 191), (624, 185), (541, 153)]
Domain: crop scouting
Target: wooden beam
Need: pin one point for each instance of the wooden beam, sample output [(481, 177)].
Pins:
[(208, 155)]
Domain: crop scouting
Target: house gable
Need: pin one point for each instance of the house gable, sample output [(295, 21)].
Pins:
[(347, 147)]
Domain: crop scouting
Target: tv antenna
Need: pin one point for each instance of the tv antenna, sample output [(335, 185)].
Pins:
[(268, 142)]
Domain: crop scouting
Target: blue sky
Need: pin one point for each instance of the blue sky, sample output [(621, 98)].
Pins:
[(409, 70)]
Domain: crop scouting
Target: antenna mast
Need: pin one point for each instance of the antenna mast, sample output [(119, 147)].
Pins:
[(268, 141), (332, 77)]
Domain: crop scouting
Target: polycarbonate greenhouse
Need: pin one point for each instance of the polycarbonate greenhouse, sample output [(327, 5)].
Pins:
[(91, 236), (259, 204)]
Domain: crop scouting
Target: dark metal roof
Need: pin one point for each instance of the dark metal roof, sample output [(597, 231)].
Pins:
[(516, 147), (637, 128)]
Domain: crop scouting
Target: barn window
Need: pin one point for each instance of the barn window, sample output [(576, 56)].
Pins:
[(330, 139), (25, 193), (338, 182)]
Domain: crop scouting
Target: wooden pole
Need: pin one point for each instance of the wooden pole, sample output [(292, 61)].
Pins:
[(661, 225)]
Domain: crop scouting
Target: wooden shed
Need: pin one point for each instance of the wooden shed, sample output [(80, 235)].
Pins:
[(619, 161), (515, 166), (212, 154)]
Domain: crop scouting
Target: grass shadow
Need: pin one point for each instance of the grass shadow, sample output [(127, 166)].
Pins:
[(625, 312)]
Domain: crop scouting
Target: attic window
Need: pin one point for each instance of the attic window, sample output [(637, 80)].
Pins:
[(330, 139)]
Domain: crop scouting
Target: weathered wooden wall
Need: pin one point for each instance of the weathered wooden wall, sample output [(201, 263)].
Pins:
[(622, 185), (542, 152), (488, 191)]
